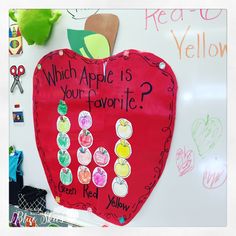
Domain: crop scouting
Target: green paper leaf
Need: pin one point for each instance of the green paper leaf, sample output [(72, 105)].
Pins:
[(88, 44), (97, 45)]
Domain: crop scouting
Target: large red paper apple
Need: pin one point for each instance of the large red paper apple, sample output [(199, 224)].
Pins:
[(135, 88)]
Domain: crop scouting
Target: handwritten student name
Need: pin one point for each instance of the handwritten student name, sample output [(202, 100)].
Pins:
[(89, 84), (115, 202)]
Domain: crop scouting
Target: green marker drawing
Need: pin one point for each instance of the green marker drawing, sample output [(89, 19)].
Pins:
[(206, 133), (64, 158)]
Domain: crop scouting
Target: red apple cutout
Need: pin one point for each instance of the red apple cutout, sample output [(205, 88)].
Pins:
[(84, 175), (137, 86), (84, 156), (85, 138), (85, 120), (99, 177), (101, 157)]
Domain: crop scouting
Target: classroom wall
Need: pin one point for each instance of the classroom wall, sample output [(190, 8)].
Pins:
[(192, 189)]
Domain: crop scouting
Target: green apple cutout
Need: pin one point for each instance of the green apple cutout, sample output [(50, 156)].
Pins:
[(63, 124), (62, 108), (122, 168), (64, 158), (119, 187), (66, 176), (63, 141), (88, 43), (206, 133)]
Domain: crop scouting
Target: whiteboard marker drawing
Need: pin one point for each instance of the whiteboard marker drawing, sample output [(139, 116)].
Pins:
[(206, 134), (214, 174), (184, 161)]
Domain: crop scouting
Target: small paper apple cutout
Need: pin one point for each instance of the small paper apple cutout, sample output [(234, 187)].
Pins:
[(122, 168), (84, 175), (124, 129), (84, 156), (63, 124), (85, 138), (64, 158), (123, 149), (63, 141), (101, 157), (85, 120), (62, 108), (119, 187), (66, 176), (99, 177)]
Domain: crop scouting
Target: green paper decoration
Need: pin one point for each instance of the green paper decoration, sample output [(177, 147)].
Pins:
[(88, 43)]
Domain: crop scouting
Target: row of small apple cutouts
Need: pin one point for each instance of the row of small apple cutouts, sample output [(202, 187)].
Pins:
[(123, 151), (84, 156), (63, 142)]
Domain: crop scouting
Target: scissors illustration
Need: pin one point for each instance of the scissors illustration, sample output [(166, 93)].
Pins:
[(16, 73)]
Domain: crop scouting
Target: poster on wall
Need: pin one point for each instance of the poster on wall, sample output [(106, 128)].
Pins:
[(109, 123)]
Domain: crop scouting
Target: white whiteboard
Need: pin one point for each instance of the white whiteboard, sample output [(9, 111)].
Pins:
[(197, 197)]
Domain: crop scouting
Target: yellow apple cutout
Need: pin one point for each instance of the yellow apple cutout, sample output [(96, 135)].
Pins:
[(123, 149), (63, 124), (124, 129), (119, 187), (122, 168)]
